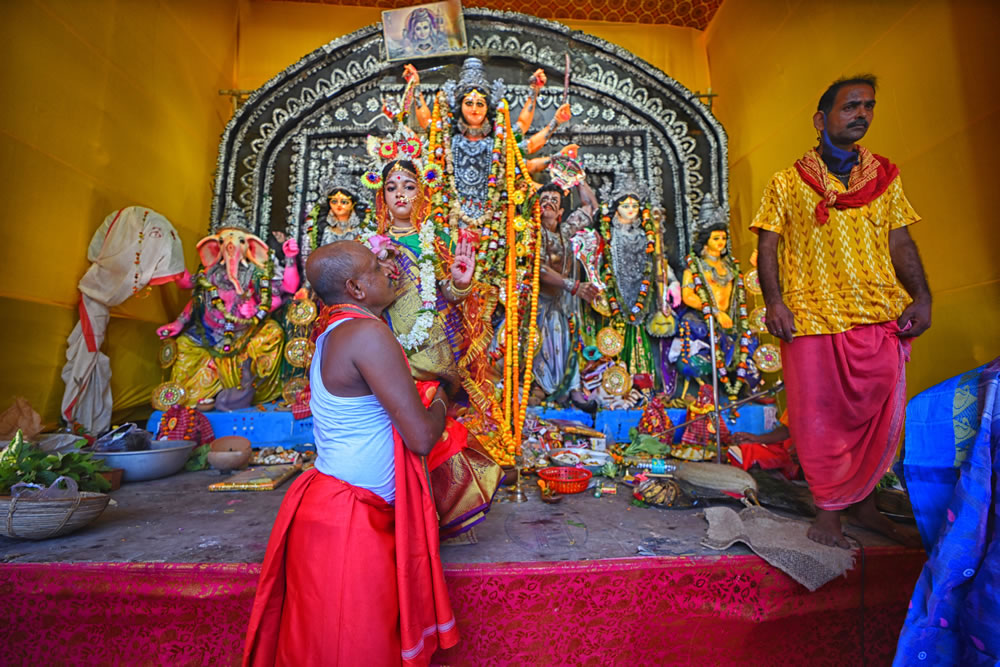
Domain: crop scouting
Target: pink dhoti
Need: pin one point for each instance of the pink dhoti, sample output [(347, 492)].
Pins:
[(846, 398)]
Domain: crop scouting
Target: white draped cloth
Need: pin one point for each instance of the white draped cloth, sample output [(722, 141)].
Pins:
[(132, 248)]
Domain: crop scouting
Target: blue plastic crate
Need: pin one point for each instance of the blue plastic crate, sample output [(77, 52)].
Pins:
[(264, 428), (751, 418), (573, 414)]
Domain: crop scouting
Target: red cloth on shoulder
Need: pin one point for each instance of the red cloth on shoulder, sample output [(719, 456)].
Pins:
[(426, 620), (327, 593), (874, 174)]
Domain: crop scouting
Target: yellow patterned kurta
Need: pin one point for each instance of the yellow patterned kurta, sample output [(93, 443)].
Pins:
[(838, 275)]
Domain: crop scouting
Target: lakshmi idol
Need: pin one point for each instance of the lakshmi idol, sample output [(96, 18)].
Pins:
[(336, 216)]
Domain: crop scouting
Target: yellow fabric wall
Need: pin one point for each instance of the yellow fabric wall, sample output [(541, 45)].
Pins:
[(273, 35), (936, 117), (110, 103), (107, 103)]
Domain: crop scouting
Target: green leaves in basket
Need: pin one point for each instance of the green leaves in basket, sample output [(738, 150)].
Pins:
[(25, 462), (198, 459)]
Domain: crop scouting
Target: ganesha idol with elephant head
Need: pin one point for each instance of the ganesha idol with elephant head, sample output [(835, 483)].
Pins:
[(227, 322)]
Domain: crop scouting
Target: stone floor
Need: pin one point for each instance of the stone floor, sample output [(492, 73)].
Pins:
[(176, 519)]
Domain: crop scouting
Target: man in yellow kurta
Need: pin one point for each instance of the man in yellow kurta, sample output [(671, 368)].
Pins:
[(845, 291)]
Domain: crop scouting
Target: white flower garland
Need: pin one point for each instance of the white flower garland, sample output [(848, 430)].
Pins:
[(428, 290)]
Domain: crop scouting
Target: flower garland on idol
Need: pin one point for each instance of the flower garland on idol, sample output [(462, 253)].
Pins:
[(742, 326), (403, 145), (634, 312)]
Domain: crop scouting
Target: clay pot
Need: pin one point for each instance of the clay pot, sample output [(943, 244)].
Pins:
[(114, 477), (231, 452)]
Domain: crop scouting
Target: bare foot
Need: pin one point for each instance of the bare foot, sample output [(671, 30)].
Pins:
[(825, 529), (867, 515)]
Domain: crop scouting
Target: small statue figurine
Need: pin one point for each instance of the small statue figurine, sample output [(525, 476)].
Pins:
[(557, 370), (638, 279), (712, 289), (337, 216), (228, 318)]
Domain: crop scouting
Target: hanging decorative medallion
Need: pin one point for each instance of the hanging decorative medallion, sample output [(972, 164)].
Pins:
[(751, 281), (616, 380), (757, 323), (167, 395), (293, 388), (299, 352), (601, 305), (610, 342), (768, 358), (301, 312), (168, 352)]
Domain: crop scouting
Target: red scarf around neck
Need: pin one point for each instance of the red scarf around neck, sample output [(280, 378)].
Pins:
[(869, 179)]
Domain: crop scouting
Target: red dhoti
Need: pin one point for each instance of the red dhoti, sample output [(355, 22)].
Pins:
[(846, 398), (327, 593)]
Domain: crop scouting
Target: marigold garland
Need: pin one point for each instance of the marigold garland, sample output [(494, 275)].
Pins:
[(613, 295)]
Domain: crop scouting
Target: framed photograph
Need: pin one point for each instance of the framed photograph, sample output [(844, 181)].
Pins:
[(424, 31)]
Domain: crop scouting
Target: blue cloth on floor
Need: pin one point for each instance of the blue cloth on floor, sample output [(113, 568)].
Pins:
[(954, 614)]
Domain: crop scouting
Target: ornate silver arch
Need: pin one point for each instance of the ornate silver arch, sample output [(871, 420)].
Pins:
[(313, 118)]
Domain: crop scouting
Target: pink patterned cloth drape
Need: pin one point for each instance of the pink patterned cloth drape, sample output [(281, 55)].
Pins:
[(637, 611)]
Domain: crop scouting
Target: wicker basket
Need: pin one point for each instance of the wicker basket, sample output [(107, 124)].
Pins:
[(566, 480), (41, 518)]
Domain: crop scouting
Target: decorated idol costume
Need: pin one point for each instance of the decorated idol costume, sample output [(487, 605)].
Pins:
[(845, 370), (556, 366), (634, 309), (228, 320), (712, 288)]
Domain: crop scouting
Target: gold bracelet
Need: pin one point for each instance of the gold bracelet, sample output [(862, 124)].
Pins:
[(438, 399), (459, 293)]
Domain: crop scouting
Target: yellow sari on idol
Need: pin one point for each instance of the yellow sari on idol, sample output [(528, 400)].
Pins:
[(464, 476), (436, 358)]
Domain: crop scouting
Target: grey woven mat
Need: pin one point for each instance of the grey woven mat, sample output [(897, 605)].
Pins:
[(781, 542)]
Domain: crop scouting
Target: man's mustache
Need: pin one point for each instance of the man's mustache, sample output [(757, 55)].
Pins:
[(858, 123)]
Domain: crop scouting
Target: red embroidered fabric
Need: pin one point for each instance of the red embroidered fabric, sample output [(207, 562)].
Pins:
[(638, 611)]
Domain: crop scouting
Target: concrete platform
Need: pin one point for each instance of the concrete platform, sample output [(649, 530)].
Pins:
[(177, 520)]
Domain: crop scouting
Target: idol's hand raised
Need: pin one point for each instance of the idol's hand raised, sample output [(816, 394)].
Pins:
[(463, 265), (410, 74), (537, 80)]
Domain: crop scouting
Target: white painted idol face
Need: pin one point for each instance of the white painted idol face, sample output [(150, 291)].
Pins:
[(550, 204), (628, 210)]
